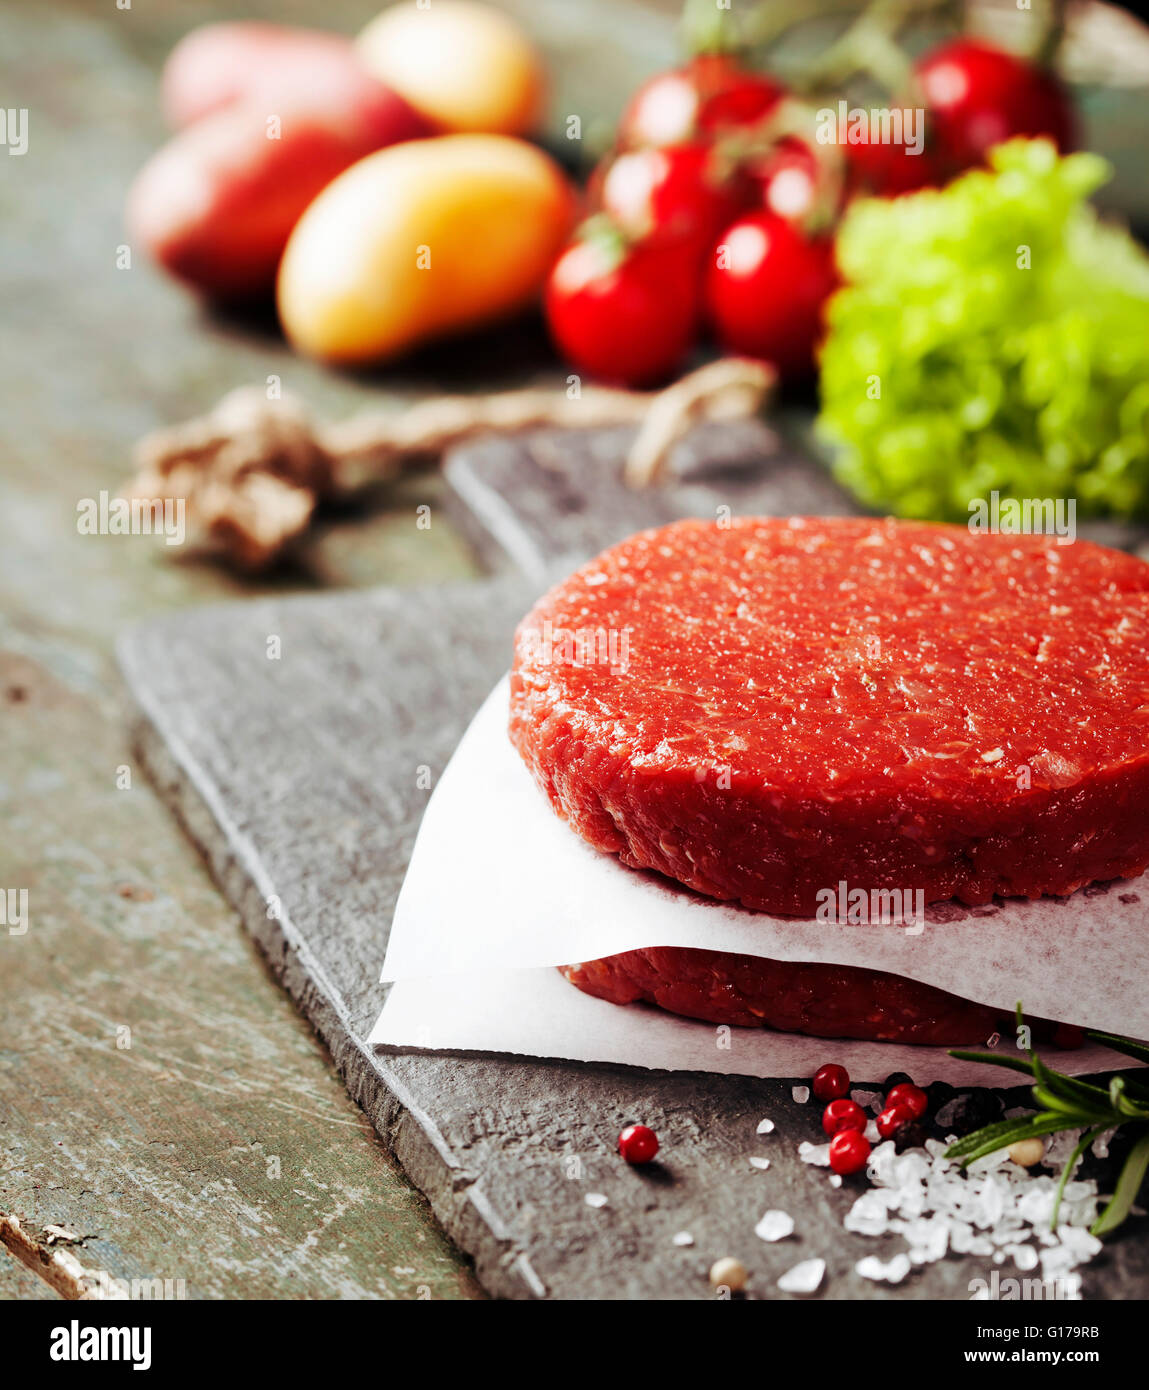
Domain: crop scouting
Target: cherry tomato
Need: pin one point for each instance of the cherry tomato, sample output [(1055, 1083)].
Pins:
[(788, 179), (681, 192), (710, 94), (977, 95), (888, 169), (627, 314), (765, 289)]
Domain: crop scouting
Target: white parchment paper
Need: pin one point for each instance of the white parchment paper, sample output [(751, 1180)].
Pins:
[(497, 883), (536, 1013)]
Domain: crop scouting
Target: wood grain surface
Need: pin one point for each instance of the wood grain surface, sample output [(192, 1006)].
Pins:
[(156, 1157)]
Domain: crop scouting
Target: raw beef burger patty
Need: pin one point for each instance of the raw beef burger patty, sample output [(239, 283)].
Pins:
[(764, 709), (827, 1001)]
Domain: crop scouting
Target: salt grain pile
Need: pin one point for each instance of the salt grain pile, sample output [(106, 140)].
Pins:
[(994, 1208)]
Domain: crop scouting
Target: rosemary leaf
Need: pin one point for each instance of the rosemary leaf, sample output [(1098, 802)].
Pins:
[(1138, 1051), (1067, 1103), (1000, 1136), (1067, 1172), (1128, 1185), (1013, 1063)]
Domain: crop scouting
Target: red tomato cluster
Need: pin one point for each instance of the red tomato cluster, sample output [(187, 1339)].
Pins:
[(712, 216), (631, 295)]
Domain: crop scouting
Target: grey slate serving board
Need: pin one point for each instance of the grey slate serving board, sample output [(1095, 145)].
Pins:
[(298, 777)]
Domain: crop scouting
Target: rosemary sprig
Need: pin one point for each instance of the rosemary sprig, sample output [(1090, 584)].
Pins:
[(1065, 1103)]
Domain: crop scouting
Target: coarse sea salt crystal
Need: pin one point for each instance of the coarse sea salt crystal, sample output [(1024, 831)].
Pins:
[(775, 1225), (991, 1209), (1057, 1261), (801, 1094), (869, 1215), (817, 1154), (992, 1205), (1023, 1256), (990, 1163), (880, 1164), (760, 1163), (683, 1238), (867, 1099), (596, 1199), (1036, 1205), (835, 1180), (1079, 1204), (871, 1131), (911, 1167), (1079, 1241), (890, 1271), (804, 1277), (1059, 1148), (765, 1127), (928, 1239)]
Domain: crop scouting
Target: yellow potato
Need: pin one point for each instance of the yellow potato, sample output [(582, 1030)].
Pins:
[(421, 241), (464, 66)]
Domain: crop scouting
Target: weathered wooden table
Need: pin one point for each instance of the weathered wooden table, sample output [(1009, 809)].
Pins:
[(160, 1098), (161, 1102)]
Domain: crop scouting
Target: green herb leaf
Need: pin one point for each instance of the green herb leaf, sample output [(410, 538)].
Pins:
[(1128, 1185), (1007, 1132), (993, 1059), (1067, 1103), (1067, 1172), (1121, 1102), (1138, 1051), (1043, 1095)]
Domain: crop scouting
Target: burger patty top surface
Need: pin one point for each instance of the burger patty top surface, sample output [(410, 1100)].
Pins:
[(762, 709)]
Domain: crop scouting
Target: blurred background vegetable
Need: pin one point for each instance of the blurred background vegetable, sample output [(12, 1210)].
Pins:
[(464, 66), (993, 336), (220, 64), (417, 242), (216, 205), (722, 213)]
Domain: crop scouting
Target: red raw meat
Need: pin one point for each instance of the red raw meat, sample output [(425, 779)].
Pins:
[(763, 709), (826, 1001)]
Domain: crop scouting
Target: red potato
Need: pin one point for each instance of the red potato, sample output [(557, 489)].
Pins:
[(216, 205), (218, 65)]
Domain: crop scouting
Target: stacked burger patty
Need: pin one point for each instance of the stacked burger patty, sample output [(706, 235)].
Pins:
[(765, 710)]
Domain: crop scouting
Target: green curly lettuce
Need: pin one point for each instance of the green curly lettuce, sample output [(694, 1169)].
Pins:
[(992, 335)]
